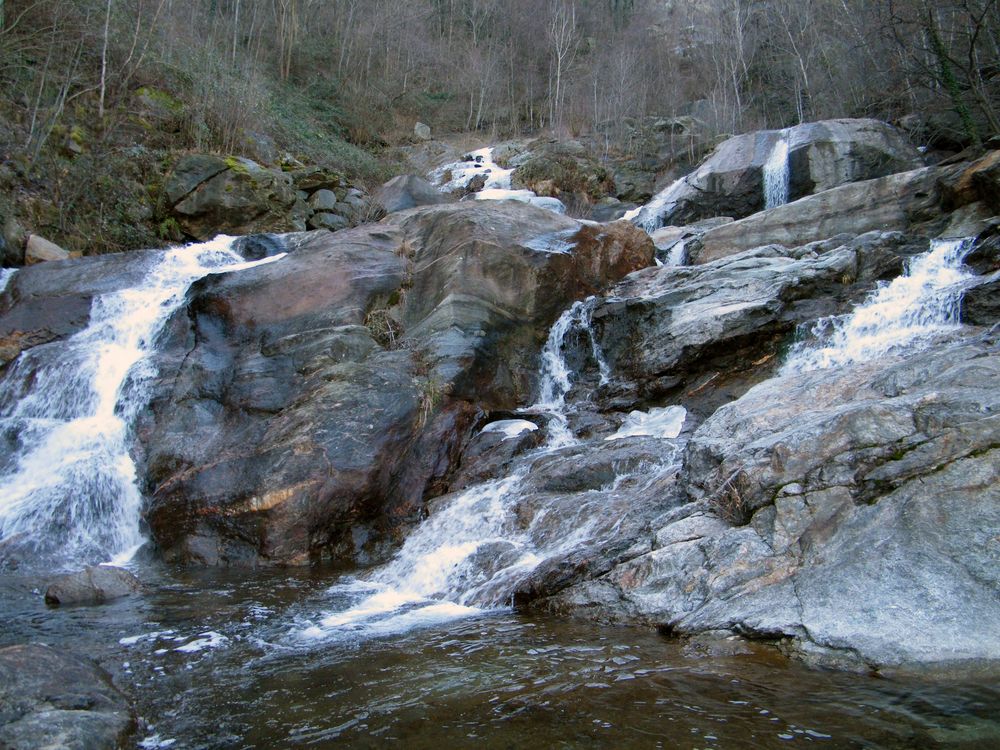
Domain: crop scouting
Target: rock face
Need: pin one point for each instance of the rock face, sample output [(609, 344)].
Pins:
[(53, 699), (855, 511), (94, 585), (308, 406), (209, 195), (821, 156), (408, 191), (899, 202)]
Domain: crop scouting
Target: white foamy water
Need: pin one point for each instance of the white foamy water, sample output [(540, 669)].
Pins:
[(457, 175), (468, 556), (6, 274), (68, 492), (650, 216), (903, 314), (777, 174)]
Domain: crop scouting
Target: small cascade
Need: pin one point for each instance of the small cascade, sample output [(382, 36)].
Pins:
[(555, 377), (903, 314), (6, 274), (477, 545), (649, 217), (777, 174), (68, 487), (476, 163), (458, 175), (677, 256)]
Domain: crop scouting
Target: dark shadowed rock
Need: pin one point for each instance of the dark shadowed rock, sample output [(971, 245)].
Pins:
[(94, 585), (51, 699), (209, 195), (307, 407)]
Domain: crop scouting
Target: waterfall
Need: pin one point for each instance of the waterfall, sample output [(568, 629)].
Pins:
[(497, 186), (650, 216), (68, 489), (776, 173), (478, 544), (906, 313), (6, 274), (677, 256)]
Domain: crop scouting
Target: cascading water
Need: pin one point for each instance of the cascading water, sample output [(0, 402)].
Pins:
[(476, 547), (922, 303), (6, 274), (497, 186), (649, 217), (68, 491), (777, 174)]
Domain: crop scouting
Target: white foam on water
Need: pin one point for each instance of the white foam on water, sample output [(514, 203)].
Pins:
[(457, 176), (71, 493), (206, 640), (664, 423), (901, 315), (776, 173)]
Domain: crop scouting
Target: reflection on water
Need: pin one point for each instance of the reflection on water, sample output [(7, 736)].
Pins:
[(211, 661)]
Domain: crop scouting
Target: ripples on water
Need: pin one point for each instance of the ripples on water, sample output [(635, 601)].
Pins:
[(211, 661)]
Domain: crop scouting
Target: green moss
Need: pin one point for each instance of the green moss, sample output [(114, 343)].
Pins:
[(161, 99)]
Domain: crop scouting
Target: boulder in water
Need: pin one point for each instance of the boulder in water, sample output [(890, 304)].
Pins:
[(94, 585), (52, 699)]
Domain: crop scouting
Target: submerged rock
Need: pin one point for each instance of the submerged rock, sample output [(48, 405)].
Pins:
[(94, 585), (51, 699)]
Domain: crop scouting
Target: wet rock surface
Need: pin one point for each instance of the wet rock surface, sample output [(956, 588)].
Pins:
[(821, 156), (53, 699), (307, 407), (94, 585)]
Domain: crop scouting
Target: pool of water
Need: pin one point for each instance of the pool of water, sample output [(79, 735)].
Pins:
[(215, 659)]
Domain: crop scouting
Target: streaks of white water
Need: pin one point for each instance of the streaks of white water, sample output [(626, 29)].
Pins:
[(904, 314), (777, 174), (479, 162), (70, 492), (677, 256), (665, 423), (650, 216), (6, 274)]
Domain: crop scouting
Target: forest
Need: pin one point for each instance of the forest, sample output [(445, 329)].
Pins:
[(97, 93)]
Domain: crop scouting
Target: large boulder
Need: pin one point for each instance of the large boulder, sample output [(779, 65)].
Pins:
[(210, 195), (820, 156), (900, 202), (37, 249), (307, 407), (551, 167), (701, 335), (52, 699), (852, 513), (408, 191), (93, 585)]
